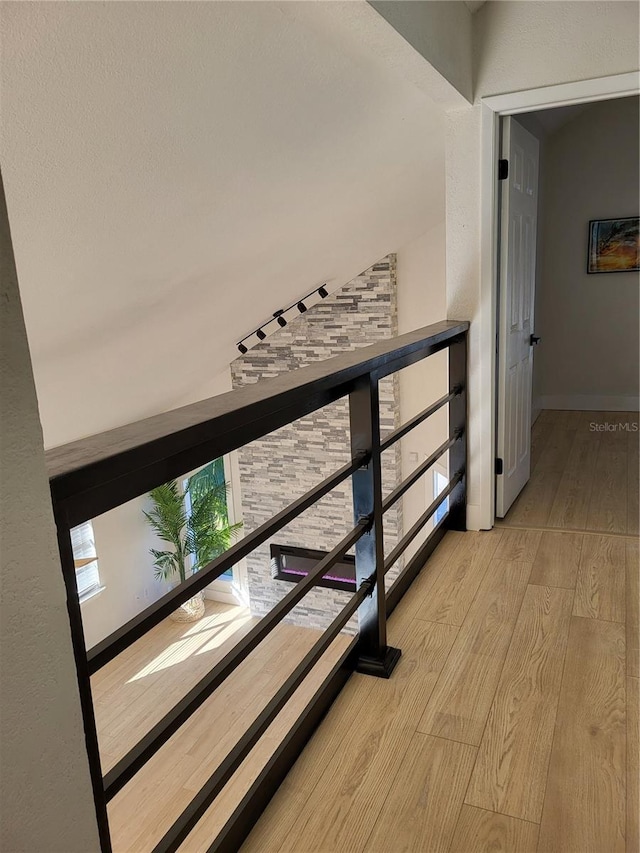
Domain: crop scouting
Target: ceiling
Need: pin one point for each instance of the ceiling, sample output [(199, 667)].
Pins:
[(175, 172), (553, 119)]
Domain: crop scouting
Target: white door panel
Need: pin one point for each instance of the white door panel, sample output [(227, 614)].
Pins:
[(519, 203)]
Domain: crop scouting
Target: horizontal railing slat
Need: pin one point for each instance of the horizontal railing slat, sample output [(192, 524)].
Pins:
[(408, 538), (129, 765), (179, 830), (406, 484), (135, 628), (412, 423), (267, 781), (414, 566)]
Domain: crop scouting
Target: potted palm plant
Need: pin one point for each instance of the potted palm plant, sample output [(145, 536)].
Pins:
[(195, 523)]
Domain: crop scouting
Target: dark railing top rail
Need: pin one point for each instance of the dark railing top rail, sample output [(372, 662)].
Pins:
[(95, 474)]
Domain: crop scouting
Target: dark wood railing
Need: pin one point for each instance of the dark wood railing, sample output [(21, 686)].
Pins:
[(94, 475)]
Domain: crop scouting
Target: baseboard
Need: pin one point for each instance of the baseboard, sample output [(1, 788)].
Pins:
[(476, 518), (231, 597), (589, 403)]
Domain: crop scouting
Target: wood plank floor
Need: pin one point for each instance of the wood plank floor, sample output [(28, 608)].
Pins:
[(511, 722), (143, 683), (509, 726), (584, 473)]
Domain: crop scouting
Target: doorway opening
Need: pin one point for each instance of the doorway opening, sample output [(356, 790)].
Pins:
[(569, 166)]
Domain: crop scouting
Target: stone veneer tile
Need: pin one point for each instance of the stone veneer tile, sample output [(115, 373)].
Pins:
[(290, 461)]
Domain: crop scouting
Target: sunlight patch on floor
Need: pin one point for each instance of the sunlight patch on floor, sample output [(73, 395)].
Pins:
[(207, 634)]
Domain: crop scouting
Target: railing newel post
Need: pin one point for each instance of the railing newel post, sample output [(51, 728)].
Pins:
[(375, 657), (457, 517), (65, 549)]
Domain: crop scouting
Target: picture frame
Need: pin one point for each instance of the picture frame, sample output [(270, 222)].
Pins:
[(614, 245)]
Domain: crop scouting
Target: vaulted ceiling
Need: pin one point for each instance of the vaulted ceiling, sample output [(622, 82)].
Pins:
[(175, 172)]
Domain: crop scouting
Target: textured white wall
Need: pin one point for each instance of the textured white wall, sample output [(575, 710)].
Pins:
[(123, 538), (422, 300), (175, 172), (46, 805), (440, 30), (588, 357), (524, 45)]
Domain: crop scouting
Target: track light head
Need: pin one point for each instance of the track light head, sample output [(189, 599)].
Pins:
[(301, 307), (242, 348), (278, 316), (323, 292), (261, 335)]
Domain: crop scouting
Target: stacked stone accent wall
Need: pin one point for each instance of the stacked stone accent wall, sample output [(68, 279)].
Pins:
[(282, 466)]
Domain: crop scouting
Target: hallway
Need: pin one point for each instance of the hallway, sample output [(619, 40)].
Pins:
[(511, 721), (584, 473)]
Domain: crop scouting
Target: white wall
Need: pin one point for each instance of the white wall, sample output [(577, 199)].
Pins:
[(588, 358), (422, 300), (123, 539), (524, 45), (46, 804), (440, 31), (563, 36), (176, 172)]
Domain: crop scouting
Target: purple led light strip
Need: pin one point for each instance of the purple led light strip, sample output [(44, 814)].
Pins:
[(324, 577)]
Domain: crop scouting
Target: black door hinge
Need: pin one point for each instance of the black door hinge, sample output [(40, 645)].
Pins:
[(499, 466), (503, 170)]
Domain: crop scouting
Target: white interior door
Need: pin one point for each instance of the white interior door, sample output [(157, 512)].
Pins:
[(518, 221)]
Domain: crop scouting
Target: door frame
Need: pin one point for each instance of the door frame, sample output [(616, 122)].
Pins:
[(492, 109)]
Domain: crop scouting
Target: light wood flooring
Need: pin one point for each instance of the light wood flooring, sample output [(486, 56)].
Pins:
[(511, 721), (143, 683), (584, 473)]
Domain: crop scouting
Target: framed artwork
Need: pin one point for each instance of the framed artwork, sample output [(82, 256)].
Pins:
[(614, 245)]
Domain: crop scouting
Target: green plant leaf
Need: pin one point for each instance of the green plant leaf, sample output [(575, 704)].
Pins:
[(203, 533)]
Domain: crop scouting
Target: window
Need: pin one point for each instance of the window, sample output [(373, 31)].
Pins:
[(208, 489), (440, 482), (85, 559)]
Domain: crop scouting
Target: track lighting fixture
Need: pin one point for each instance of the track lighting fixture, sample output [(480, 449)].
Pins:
[(278, 316)]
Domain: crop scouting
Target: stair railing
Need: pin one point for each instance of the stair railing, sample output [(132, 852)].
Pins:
[(97, 474)]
